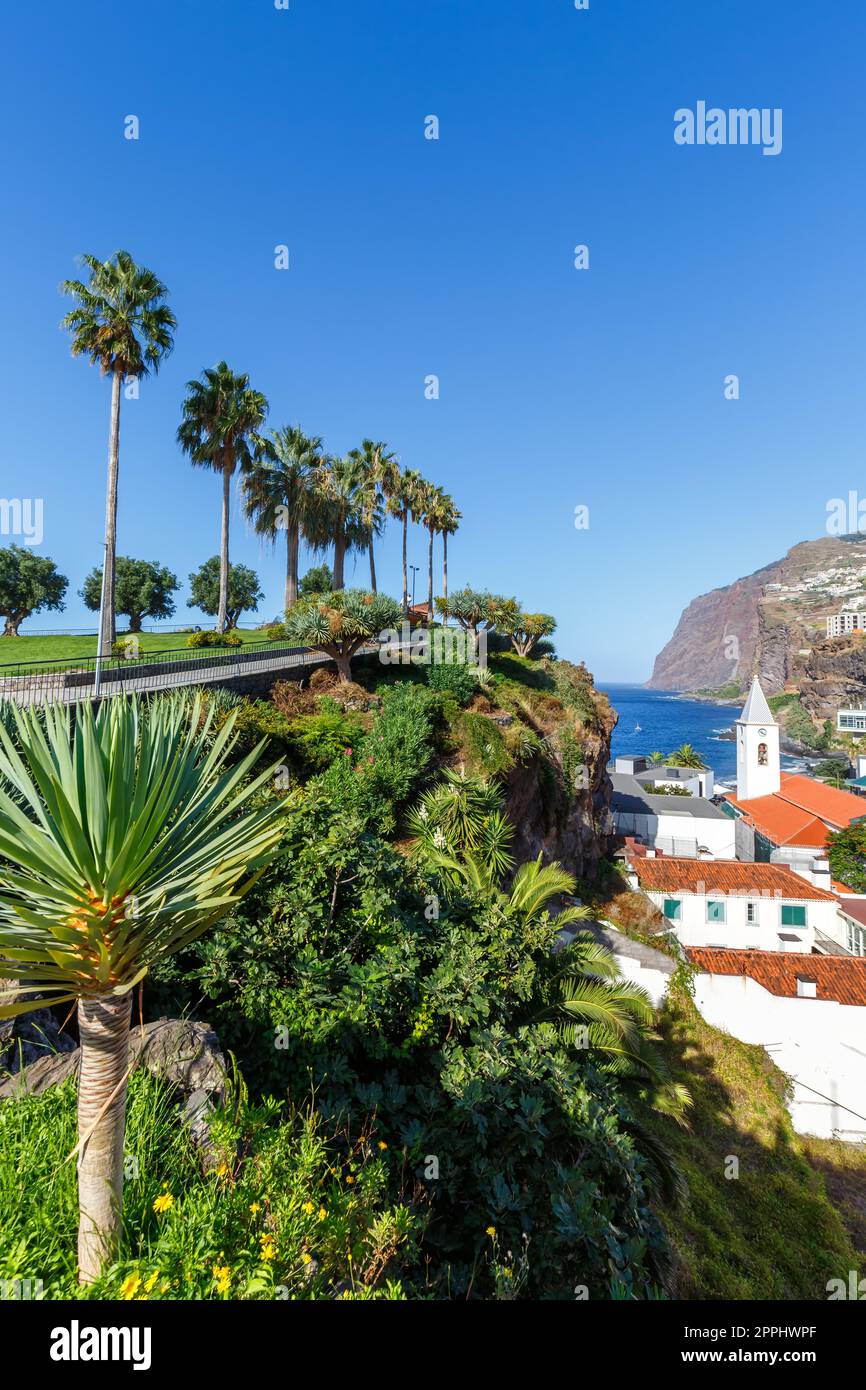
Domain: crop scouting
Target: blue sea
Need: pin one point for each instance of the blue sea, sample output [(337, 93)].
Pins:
[(666, 720)]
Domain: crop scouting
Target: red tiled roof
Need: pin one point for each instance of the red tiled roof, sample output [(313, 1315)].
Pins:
[(836, 807), (800, 811), (842, 978), (726, 876), (854, 907)]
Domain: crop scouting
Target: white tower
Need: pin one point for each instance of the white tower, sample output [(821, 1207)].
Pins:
[(758, 764)]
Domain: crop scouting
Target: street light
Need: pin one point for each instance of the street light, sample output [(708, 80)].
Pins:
[(414, 569)]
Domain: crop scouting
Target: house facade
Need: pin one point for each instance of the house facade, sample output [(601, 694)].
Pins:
[(737, 906), (809, 1013)]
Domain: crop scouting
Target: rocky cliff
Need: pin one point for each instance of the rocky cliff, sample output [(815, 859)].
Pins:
[(834, 676), (565, 817), (767, 623)]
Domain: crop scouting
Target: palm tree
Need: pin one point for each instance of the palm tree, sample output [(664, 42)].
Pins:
[(449, 521), (685, 756), (341, 485), (122, 323), (222, 416), (281, 493), (123, 838), (431, 511), (398, 503), (378, 466)]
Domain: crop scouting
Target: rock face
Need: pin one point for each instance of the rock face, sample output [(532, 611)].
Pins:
[(184, 1054), (570, 831), (834, 676), (767, 623)]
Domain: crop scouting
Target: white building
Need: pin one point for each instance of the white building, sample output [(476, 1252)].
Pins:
[(690, 826), (736, 906), (758, 758), (809, 1012), (840, 623)]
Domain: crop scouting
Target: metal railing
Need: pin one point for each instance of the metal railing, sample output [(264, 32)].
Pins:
[(67, 681)]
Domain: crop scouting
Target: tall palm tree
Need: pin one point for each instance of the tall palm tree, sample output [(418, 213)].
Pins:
[(400, 495), (432, 515), (222, 417), (123, 324), (281, 493), (378, 466), (341, 485), (123, 838), (449, 521)]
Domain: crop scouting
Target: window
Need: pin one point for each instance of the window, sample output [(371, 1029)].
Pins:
[(673, 909), (716, 912), (762, 755), (793, 916), (856, 939), (752, 914)]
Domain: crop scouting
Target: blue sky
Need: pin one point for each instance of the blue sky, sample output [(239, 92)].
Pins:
[(559, 388)]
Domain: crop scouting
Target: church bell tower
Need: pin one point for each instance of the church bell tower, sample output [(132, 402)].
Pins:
[(758, 759)]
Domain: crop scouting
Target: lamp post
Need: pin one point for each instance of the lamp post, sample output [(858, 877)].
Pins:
[(414, 569)]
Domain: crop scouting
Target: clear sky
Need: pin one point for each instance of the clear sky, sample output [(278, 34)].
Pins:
[(559, 388)]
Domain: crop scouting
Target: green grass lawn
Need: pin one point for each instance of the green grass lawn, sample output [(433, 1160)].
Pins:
[(72, 649)]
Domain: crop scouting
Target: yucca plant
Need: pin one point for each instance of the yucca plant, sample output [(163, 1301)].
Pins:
[(122, 839)]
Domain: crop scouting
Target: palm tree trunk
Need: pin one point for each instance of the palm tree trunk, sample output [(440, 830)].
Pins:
[(445, 565), (224, 550), (339, 555), (107, 631), (372, 568), (430, 579), (405, 569), (292, 545), (103, 1025)]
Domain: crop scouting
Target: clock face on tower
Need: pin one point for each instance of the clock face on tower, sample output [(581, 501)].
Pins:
[(762, 733)]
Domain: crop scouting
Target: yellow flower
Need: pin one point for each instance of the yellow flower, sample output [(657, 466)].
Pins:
[(507, 1272), (306, 1257), (268, 1251), (349, 1178), (222, 1170), (222, 1274), (491, 1231), (322, 1213), (255, 1208), (130, 1286), (382, 1144), (164, 1202), (149, 1283), (308, 1208)]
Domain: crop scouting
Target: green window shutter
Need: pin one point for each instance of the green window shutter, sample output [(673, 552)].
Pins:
[(793, 916), (672, 909), (715, 912)]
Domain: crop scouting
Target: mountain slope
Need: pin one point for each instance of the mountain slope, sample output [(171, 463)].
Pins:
[(765, 623)]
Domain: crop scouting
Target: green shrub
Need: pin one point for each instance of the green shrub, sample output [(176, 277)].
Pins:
[(452, 679), (276, 1217), (380, 1004), (276, 632), (320, 738), (207, 638), (388, 764), (485, 745)]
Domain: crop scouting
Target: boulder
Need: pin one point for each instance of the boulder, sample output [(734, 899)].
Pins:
[(186, 1055)]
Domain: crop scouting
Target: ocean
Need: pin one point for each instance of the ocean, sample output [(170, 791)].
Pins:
[(666, 720)]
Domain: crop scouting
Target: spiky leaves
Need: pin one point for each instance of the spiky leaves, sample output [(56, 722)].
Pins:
[(123, 839), (341, 622)]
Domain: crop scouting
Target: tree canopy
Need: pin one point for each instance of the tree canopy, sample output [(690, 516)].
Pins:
[(524, 629), (142, 589), (28, 583), (340, 622), (244, 593)]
